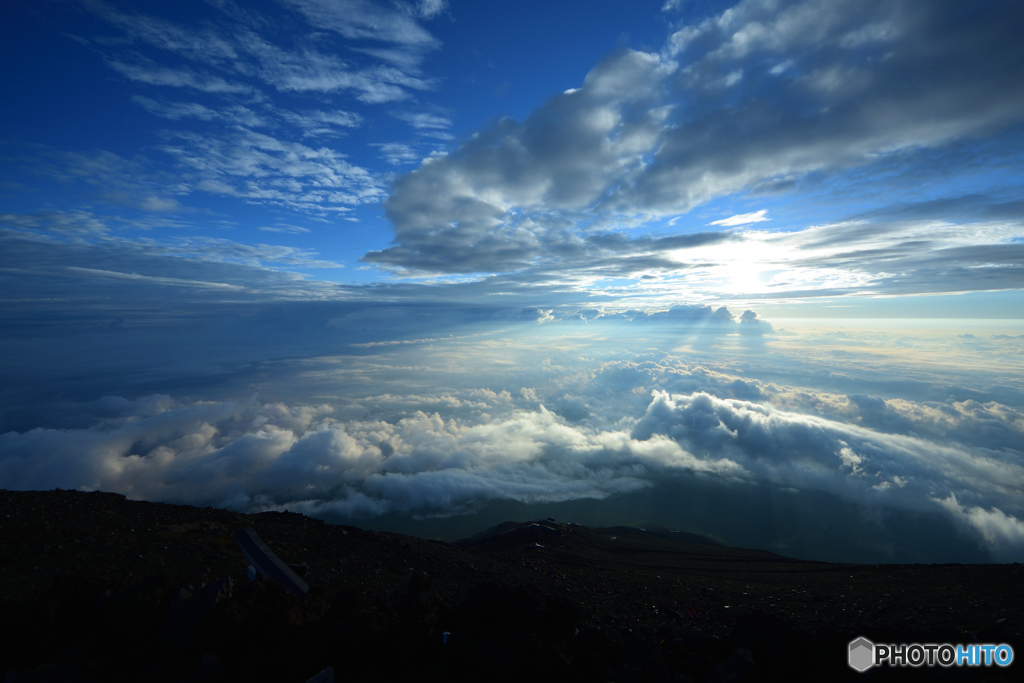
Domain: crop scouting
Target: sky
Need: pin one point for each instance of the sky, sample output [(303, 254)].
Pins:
[(748, 269)]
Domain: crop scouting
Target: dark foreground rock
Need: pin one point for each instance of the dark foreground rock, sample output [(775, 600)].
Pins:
[(99, 588)]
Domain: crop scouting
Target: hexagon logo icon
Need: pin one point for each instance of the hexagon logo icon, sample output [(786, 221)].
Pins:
[(862, 654)]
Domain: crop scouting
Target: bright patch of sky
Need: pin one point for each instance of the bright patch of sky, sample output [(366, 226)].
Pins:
[(201, 198)]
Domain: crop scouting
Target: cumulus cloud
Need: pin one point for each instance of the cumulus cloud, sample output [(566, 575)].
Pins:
[(752, 99), (465, 204), (797, 450)]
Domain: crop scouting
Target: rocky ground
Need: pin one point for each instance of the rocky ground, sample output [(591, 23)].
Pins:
[(98, 587)]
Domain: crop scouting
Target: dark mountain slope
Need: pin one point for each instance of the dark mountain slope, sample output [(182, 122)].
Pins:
[(95, 587)]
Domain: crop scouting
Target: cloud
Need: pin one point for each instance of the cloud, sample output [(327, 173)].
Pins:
[(652, 135), (314, 122), (241, 162), (241, 53), (248, 456), (810, 453), (464, 204), (144, 71), (742, 219), (177, 110), (252, 455), (82, 259), (424, 120), (236, 115), (135, 277), (104, 177), (431, 8), (1004, 533), (363, 20), (310, 71), (202, 44), (396, 153), (287, 229), (263, 169)]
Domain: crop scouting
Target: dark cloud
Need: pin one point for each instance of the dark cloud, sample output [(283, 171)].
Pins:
[(788, 88)]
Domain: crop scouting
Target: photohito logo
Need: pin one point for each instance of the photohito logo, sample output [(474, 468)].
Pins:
[(863, 654)]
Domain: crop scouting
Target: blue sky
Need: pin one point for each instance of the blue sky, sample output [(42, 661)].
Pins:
[(419, 229)]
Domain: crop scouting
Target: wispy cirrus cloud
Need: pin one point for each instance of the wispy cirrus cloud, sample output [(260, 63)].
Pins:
[(241, 52), (315, 122), (284, 228), (364, 20), (87, 243), (145, 71), (229, 61), (238, 115)]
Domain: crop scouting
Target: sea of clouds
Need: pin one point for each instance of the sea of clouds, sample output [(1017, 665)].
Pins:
[(563, 406)]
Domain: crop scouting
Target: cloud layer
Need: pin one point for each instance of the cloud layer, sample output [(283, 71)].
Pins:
[(587, 420)]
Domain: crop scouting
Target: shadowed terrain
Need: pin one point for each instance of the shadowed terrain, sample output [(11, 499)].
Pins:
[(98, 587)]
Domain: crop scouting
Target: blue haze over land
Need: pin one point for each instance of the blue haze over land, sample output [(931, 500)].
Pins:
[(751, 269)]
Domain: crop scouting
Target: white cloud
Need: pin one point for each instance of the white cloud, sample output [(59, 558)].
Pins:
[(227, 453), (1003, 533), (431, 8), (85, 258), (424, 120), (262, 168), (253, 455), (240, 53), (151, 74), (135, 277), (362, 20), (286, 229), (314, 122), (396, 153), (177, 110), (742, 219)]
